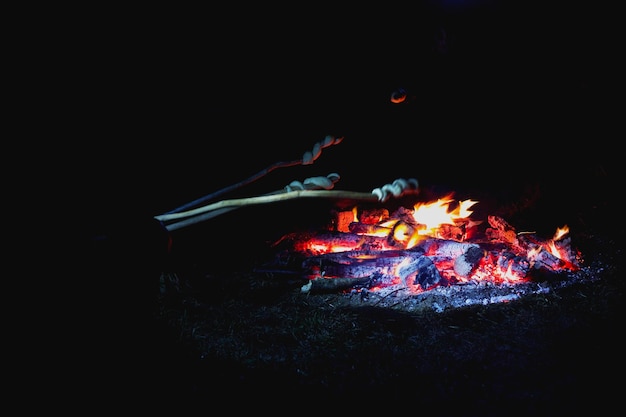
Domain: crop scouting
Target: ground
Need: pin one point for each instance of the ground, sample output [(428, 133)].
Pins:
[(258, 335)]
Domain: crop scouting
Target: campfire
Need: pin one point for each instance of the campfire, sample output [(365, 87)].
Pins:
[(429, 245), (415, 251)]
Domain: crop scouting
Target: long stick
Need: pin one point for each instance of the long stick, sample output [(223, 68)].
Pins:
[(307, 159), (197, 219), (239, 202), (313, 183), (309, 188)]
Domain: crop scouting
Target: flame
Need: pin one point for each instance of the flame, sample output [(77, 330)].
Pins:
[(554, 250), (560, 232), (433, 215)]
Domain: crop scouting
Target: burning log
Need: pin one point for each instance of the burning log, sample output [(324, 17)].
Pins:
[(547, 260), (423, 270), (555, 254), (449, 249), (501, 231), (368, 229), (416, 266), (323, 285), (374, 216), (509, 265), (342, 221), (355, 269), (339, 242), (452, 231), (466, 263), (360, 263)]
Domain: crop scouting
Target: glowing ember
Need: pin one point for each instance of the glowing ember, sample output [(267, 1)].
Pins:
[(398, 96)]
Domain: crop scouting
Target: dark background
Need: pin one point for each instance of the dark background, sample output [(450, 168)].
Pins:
[(164, 106)]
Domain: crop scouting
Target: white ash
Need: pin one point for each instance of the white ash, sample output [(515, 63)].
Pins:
[(442, 298)]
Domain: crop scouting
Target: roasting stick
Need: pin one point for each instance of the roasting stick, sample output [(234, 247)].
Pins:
[(192, 217), (398, 188), (262, 199), (307, 159), (316, 187)]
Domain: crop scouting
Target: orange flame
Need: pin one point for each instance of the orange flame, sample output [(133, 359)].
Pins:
[(560, 232), (433, 215)]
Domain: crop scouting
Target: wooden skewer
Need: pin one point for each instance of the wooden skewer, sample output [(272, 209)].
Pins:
[(179, 220), (197, 219), (239, 202), (307, 159)]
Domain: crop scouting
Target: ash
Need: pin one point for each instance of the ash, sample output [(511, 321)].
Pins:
[(444, 298)]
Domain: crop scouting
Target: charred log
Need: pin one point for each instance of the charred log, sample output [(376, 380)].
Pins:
[(358, 264), (511, 263), (373, 216), (337, 241), (326, 285), (342, 220), (466, 263), (422, 271), (450, 249), (368, 229), (546, 260), (501, 231)]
